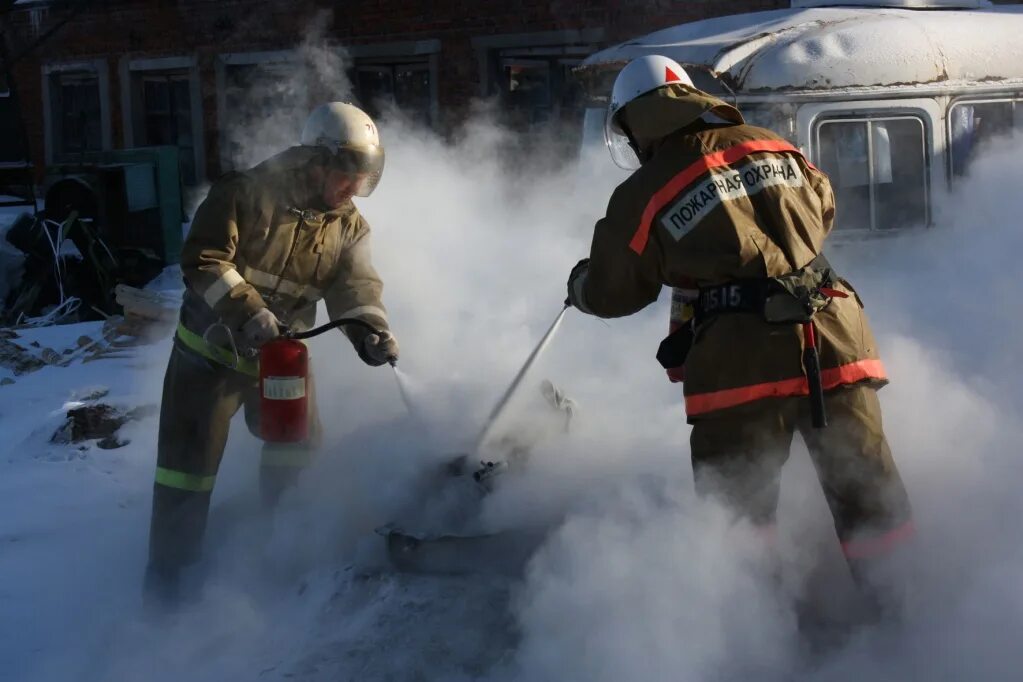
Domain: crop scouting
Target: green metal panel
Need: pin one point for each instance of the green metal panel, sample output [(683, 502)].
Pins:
[(164, 160)]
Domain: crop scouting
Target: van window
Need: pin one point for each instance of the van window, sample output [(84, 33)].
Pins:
[(878, 171), (973, 126), (772, 117)]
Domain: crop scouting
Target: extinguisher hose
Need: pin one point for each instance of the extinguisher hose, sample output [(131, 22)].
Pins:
[(344, 321), (333, 324)]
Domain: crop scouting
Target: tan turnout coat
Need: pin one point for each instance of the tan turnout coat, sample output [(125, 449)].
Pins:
[(714, 203), (260, 239)]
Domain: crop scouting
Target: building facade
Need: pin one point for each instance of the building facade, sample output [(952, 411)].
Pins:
[(211, 76)]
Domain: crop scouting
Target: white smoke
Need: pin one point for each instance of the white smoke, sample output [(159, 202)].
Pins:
[(948, 329), (267, 103), (639, 579)]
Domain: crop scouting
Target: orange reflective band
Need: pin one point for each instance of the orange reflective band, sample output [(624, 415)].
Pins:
[(678, 183), (868, 548), (854, 372)]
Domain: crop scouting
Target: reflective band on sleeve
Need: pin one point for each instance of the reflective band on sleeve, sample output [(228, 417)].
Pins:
[(222, 287), (262, 279), (854, 372), (365, 310), (183, 481), (670, 191), (289, 288), (868, 548), (269, 282), (221, 356)]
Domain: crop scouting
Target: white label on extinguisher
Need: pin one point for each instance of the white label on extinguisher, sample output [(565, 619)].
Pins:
[(283, 388)]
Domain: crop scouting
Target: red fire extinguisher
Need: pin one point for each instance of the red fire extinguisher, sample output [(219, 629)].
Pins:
[(283, 384)]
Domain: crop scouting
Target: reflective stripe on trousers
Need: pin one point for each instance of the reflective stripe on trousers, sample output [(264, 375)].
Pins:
[(184, 481), (871, 547)]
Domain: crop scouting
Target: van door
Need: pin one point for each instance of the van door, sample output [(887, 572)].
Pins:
[(883, 159)]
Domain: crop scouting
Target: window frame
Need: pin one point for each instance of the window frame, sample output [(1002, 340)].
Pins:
[(1013, 97), (244, 59), (869, 120), (567, 48), (416, 55), (133, 73), (53, 151)]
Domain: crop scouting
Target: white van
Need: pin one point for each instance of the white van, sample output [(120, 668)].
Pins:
[(891, 99)]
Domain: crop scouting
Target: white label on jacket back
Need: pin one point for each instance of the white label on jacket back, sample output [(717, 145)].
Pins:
[(728, 185)]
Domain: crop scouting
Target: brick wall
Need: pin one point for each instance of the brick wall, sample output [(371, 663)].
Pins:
[(114, 30)]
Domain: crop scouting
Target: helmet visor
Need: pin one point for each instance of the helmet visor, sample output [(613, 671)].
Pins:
[(618, 144), (365, 163)]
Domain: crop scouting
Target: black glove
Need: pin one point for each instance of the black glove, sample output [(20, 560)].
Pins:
[(576, 279), (378, 349)]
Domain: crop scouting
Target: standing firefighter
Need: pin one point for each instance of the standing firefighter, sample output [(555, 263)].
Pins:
[(771, 339), (264, 247)]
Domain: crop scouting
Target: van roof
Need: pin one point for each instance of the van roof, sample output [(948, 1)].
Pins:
[(831, 48)]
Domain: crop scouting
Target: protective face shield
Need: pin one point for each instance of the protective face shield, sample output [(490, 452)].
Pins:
[(353, 141), (639, 77)]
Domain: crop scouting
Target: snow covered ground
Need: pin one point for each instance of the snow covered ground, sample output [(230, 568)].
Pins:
[(638, 581)]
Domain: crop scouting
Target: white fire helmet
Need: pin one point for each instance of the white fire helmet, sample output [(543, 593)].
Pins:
[(639, 77), (353, 140)]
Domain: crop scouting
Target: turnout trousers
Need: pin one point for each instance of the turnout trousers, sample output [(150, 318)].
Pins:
[(738, 458), (200, 397)]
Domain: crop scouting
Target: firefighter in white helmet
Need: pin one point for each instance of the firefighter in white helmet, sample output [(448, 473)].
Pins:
[(264, 247), (771, 340)]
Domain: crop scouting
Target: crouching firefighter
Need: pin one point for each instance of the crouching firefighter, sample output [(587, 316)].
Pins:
[(264, 247), (772, 340)]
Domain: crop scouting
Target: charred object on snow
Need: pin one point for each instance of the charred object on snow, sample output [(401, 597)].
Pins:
[(451, 497), (99, 422), (17, 358)]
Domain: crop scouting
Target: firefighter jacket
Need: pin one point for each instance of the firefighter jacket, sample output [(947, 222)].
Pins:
[(716, 203), (261, 239)]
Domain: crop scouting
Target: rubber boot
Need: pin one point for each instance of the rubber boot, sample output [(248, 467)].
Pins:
[(273, 482), (882, 599), (175, 543)]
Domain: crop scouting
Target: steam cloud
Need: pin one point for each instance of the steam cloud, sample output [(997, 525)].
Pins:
[(639, 579)]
